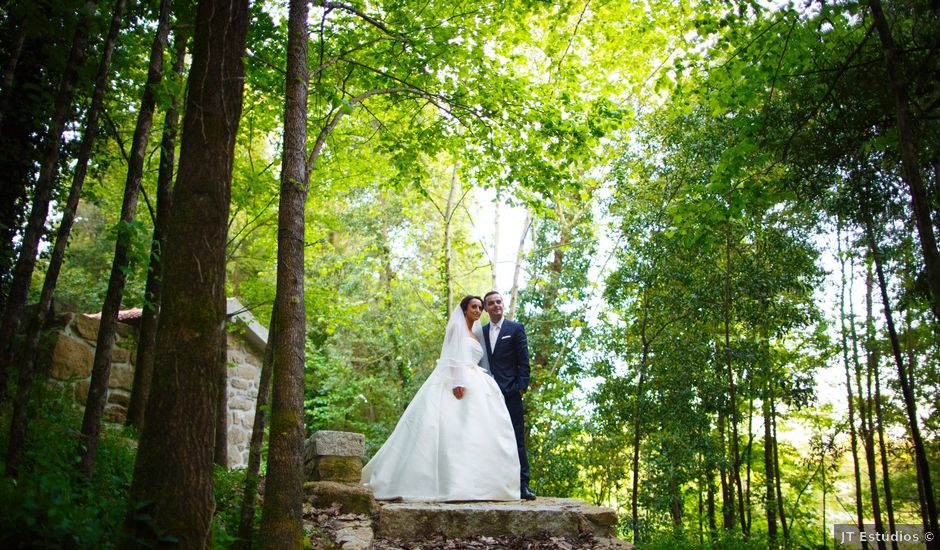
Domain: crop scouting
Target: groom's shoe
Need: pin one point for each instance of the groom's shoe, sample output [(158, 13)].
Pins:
[(526, 494)]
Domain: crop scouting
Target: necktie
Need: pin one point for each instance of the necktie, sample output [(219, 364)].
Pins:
[(494, 332)]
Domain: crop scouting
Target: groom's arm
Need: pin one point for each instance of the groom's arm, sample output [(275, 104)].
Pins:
[(522, 359)]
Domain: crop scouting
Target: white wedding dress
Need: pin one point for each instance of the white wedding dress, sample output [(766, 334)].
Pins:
[(449, 449)]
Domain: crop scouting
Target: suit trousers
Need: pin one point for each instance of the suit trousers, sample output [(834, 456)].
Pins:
[(514, 405)]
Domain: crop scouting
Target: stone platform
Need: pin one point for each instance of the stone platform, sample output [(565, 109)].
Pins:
[(558, 517), (339, 503)]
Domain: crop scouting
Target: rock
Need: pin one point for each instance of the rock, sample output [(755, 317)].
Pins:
[(245, 372), (81, 390), (115, 413), (352, 498), (71, 358), (86, 327), (121, 376), (334, 468), (118, 397), (120, 355), (557, 517), (59, 321), (354, 532), (122, 329), (237, 436), (330, 443), (240, 404)]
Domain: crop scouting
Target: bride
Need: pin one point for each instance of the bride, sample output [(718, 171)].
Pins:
[(455, 439)]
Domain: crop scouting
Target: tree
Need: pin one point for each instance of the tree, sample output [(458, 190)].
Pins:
[(281, 516), (147, 337), (101, 367), (173, 472), (18, 424), (42, 193)]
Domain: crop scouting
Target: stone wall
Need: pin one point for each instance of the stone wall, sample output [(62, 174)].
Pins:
[(74, 351), (244, 372)]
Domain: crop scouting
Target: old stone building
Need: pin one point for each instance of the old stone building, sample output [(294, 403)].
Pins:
[(74, 351)]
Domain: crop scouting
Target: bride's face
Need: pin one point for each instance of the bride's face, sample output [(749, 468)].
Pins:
[(474, 310)]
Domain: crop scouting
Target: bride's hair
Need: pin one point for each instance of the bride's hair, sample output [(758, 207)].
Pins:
[(465, 303)]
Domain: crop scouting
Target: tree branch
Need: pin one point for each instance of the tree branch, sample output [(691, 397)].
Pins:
[(367, 18)]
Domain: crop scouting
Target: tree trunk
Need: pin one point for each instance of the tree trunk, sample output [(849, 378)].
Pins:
[(514, 292), (253, 474), (710, 503), (18, 426), (147, 337), (727, 494), (281, 514), (446, 269), (825, 528), (172, 483), (637, 426), (780, 511), (42, 194), (924, 518), (9, 69), (908, 144), (101, 368), (910, 405), (871, 363), (495, 262), (770, 501), (732, 390), (221, 409), (859, 503), (747, 454), (885, 477), (701, 510), (675, 503)]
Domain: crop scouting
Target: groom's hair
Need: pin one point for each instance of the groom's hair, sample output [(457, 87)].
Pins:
[(488, 294), (466, 302)]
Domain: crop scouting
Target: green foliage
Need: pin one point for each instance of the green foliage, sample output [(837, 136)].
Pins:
[(228, 488), (49, 505), (724, 541), (732, 132)]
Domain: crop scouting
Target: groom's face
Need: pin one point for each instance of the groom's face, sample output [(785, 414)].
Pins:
[(494, 306)]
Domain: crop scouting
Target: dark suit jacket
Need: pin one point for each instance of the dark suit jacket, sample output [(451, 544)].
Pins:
[(509, 361)]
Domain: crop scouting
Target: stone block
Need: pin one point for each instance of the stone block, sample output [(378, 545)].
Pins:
[(354, 533), (114, 413), (122, 329), (122, 376), (60, 321), (330, 443), (240, 405), (86, 327), (237, 436), (119, 397), (240, 384), (81, 391), (247, 421), (71, 357), (120, 355), (244, 372), (352, 498), (555, 517), (334, 468)]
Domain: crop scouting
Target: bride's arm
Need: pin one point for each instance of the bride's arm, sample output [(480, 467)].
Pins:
[(457, 377)]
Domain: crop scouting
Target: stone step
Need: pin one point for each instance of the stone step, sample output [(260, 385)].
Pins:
[(556, 517)]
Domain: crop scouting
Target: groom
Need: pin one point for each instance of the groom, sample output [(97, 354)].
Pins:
[(508, 353)]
